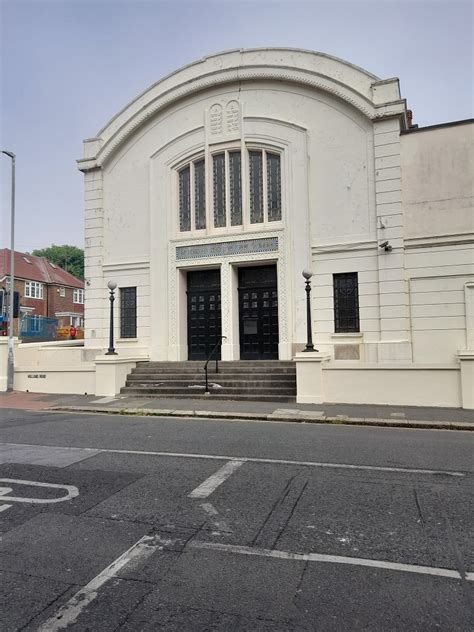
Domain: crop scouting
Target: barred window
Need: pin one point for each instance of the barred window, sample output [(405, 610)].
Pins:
[(346, 302), (235, 181), (256, 187), (128, 312), (185, 199), (265, 203), (199, 195), (218, 172)]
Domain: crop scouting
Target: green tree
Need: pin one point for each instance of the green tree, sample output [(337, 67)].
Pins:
[(69, 258)]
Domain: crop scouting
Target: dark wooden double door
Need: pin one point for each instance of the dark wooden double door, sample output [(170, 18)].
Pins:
[(258, 313), (204, 313)]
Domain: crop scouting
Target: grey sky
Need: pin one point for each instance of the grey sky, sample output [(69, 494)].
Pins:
[(67, 66)]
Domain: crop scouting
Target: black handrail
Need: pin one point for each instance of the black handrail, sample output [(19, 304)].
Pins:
[(217, 345)]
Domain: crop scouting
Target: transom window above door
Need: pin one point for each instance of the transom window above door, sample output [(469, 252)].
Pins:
[(232, 188)]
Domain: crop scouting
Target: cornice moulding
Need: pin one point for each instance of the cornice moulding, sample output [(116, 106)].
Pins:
[(333, 76)]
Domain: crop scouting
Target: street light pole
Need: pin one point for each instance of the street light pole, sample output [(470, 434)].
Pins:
[(307, 274), (111, 351), (11, 294)]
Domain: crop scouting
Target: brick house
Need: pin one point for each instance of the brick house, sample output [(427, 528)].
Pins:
[(44, 289)]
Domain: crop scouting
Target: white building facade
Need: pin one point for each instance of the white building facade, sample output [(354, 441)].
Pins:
[(207, 196)]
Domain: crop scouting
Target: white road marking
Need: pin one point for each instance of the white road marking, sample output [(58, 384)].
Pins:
[(206, 488), (210, 509), (72, 492), (332, 559), (68, 613), (219, 457), (5, 507)]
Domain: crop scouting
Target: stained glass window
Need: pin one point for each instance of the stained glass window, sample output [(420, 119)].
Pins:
[(199, 195), (235, 181), (185, 199), (273, 187), (218, 164), (256, 187), (346, 302)]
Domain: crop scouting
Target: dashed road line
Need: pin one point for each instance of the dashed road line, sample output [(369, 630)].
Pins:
[(205, 489)]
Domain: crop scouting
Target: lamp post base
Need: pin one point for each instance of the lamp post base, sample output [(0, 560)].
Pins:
[(111, 352)]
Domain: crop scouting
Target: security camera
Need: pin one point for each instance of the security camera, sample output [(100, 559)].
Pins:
[(386, 246)]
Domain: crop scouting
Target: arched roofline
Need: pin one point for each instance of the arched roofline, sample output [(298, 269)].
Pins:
[(373, 97)]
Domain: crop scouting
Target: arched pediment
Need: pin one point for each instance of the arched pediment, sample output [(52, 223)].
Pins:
[(373, 97)]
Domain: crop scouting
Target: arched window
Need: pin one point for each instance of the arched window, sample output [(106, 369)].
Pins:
[(225, 206)]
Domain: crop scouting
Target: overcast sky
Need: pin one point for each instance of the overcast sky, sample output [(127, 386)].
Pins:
[(67, 66)]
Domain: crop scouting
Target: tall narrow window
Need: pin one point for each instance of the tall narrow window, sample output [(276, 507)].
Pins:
[(218, 165), (256, 187), (346, 302), (185, 199), (235, 181), (199, 195), (128, 312), (273, 187)]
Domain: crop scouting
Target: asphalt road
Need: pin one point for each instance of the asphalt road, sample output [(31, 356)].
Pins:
[(129, 523)]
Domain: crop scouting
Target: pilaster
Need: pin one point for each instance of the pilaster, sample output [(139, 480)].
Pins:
[(393, 288), (95, 307)]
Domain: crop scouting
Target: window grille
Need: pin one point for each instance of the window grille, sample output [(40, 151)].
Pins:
[(185, 199), (256, 187), (199, 195), (128, 312), (235, 182), (228, 206), (218, 167), (346, 302), (273, 187)]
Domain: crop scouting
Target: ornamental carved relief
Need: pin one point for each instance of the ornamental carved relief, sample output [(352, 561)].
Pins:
[(215, 120), (232, 115)]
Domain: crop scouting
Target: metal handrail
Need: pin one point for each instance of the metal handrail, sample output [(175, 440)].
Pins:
[(216, 346)]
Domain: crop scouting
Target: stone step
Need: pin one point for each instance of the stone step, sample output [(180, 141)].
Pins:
[(228, 390), (184, 383), (213, 396), (146, 370), (263, 380)]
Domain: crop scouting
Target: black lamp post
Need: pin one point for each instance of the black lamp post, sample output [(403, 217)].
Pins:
[(111, 285), (307, 274)]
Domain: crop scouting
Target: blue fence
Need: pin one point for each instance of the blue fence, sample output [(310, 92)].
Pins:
[(38, 328)]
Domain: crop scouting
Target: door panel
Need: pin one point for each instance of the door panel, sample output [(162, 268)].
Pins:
[(258, 313), (204, 313)]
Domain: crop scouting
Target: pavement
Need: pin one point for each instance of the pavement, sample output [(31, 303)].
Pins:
[(347, 414)]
